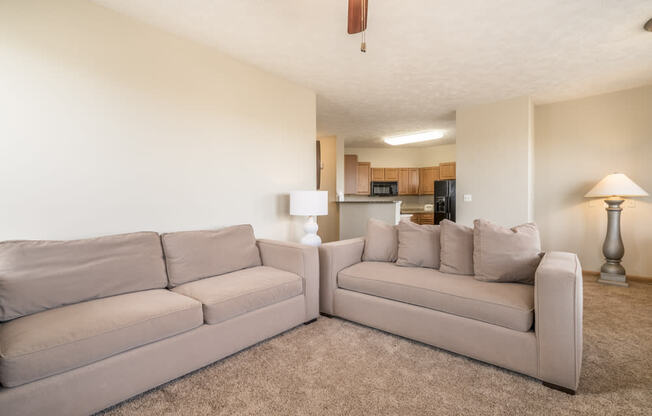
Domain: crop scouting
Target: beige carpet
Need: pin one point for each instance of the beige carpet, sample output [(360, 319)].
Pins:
[(334, 367)]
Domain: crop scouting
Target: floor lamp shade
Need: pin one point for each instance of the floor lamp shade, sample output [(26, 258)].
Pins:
[(310, 204), (614, 187)]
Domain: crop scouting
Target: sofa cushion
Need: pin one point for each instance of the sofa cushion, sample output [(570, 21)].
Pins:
[(229, 295), (502, 254), (510, 305), (456, 248), (194, 255), (418, 245), (58, 340), (381, 242), (40, 275)]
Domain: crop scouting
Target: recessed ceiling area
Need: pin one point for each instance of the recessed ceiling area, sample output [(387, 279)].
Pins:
[(424, 58)]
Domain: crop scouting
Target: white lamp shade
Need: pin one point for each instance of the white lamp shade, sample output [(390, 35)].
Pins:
[(616, 184), (309, 203)]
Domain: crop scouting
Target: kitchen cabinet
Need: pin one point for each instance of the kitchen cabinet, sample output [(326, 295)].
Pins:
[(391, 174), (413, 184), (428, 176), (362, 178), (350, 174), (408, 181), (447, 170), (384, 174), (423, 218), (377, 174)]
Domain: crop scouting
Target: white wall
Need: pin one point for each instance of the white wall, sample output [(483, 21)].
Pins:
[(108, 125), (494, 145), (404, 157), (578, 143)]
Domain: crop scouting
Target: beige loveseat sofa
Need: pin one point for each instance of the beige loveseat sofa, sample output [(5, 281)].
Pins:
[(88, 323), (532, 329)]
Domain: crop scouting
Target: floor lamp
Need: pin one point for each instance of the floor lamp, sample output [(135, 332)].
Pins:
[(614, 187)]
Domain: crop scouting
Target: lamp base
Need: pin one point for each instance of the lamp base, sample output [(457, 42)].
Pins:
[(613, 279), (311, 238)]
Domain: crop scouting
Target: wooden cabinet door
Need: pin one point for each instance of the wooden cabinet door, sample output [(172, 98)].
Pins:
[(377, 174), (362, 186), (391, 174), (428, 176), (416, 218), (447, 170), (403, 181), (350, 174), (427, 219), (413, 181)]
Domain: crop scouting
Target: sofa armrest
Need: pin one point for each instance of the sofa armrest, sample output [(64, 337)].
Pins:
[(558, 315), (334, 257), (298, 259)]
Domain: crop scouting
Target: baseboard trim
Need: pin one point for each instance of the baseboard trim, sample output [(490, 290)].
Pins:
[(631, 278)]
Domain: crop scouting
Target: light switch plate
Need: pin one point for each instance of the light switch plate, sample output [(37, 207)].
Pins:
[(631, 203), (593, 203), (468, 197)]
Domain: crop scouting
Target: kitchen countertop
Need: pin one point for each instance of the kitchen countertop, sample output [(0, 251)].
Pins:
[(368, 202), (415, 211)]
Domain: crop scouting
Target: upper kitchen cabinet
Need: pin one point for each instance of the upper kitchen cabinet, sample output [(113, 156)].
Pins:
[(362, 181), (377, 174), (391, 174), (350, 174), (413, 186), (408, 181), (447, 170), (384, 174), (428, 176)]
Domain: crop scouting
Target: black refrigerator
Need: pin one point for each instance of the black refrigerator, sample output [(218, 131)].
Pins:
[(444, 200)]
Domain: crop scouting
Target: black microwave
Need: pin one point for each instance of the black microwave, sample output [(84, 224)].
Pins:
[(384, 188)]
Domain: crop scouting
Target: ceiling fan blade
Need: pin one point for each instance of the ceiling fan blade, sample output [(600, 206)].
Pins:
[(357, 21)]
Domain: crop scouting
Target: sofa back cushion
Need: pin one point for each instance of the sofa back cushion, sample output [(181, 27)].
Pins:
[(194, 255), (418, 245), (381, 243), (502, 254), (40, 275), (456, 248)]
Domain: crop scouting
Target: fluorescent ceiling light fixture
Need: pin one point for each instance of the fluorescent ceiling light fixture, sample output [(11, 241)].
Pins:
[(415, 138)]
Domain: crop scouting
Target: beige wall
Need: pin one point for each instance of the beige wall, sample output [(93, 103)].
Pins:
[(109, 125), (578, 143), (329, 225), (404, 157), (494, 144)]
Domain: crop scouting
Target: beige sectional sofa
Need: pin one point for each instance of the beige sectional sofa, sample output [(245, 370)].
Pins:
[(532, 329), (88, 323)]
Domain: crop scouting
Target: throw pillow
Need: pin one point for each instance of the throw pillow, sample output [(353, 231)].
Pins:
[(418, 245), (502, 254), (381, 243), (456, 248)]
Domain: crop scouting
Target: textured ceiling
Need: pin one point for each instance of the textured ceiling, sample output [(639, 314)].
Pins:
[(425, 58)]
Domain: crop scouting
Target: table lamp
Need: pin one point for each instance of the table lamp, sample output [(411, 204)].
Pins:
[(614, 187), (310, 204)]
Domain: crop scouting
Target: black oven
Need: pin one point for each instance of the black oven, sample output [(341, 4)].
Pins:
[(384, 188)]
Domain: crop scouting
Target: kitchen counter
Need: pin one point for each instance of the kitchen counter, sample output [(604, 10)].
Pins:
[(354, 215), (415, 211), (368, 201)]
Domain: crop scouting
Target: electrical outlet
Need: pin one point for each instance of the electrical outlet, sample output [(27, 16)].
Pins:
[(631, 203), (468, 197)]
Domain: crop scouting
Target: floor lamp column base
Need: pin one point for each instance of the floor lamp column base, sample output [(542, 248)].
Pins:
[(613, 279)]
